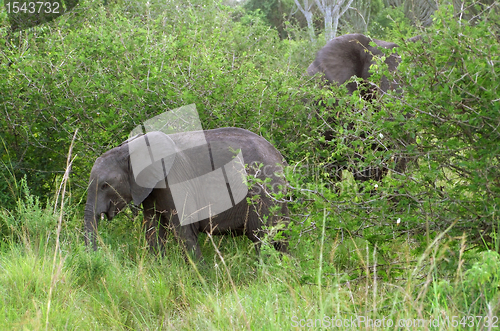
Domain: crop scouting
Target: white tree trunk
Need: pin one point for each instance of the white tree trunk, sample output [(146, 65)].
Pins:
[(332, 11), (330, 32), (306, 10)]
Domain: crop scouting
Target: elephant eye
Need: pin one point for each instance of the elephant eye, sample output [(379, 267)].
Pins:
[(104, 186)]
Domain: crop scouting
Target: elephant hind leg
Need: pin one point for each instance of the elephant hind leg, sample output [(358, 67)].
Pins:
[(281, 246), (193, 250), (254, 237), (188, 237), (283, 218), (255, 233)]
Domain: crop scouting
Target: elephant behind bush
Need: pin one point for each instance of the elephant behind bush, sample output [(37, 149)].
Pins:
[(350, 56)]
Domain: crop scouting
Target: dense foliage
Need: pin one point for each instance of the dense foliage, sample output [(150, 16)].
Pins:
[(421, 242), (106, 73)]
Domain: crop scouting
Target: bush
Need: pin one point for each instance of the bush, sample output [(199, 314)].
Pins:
[(105, 70)]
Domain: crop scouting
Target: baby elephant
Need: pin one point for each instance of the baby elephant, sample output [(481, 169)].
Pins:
[(191, 182)]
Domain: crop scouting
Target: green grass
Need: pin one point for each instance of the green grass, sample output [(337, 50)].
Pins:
[(51, 281), (124, 287)]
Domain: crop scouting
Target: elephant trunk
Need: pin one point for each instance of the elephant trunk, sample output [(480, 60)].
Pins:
[(91, 222)]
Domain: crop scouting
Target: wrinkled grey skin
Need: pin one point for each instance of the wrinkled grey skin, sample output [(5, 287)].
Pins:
[(112, 186), (351, 55)]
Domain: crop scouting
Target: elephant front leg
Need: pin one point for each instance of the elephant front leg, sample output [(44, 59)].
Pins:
[(154, 231)]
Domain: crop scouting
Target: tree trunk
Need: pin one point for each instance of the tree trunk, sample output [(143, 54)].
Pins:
[(306, 10)]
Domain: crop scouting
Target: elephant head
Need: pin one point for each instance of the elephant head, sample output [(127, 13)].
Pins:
[(124, 174), (109, 190)]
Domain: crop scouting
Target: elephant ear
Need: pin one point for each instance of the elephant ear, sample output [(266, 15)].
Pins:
[(151, 158)]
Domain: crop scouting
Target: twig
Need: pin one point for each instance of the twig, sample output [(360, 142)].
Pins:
[(69, 162)]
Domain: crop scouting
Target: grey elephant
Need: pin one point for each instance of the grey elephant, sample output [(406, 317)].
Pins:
[(191, 182), (351, 55)]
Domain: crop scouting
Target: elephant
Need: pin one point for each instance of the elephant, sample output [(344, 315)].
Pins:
[(352, 55), (196, 182)]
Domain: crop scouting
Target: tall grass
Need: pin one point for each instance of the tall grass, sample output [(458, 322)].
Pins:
[(123, 287), (49, 280)]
